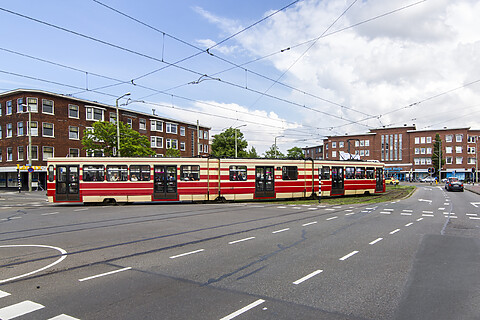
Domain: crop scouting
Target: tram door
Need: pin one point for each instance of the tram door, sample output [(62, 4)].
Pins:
[(165, 183), (337, 181), (66, 186), (264, 182), (379, 180)]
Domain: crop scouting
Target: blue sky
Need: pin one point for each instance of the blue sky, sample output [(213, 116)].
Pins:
[(386, 71)]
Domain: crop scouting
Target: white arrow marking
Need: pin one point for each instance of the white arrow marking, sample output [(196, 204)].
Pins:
[(475, 204)]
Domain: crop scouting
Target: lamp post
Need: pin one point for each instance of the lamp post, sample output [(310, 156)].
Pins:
[(118, 125), (243, 125), (29, 158), (276, 145)]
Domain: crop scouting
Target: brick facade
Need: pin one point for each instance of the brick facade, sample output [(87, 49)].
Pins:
[(61, 122), (407, 152)]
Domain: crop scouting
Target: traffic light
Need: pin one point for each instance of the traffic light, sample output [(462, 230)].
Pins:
[(431, 170), (473, 170)]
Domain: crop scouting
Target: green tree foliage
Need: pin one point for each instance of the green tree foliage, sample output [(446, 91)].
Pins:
[(271, 154), (104, 137), (252, 153), (437, 155), (223, 144), (172, 153), (295, 153)]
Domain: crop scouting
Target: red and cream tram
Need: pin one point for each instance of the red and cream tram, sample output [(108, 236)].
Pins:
[(206, 179)]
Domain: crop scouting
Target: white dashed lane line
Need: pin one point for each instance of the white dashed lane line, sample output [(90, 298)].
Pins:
[(348, 255), (282, 230), (104, 274), (308, 276), (309, 223), (186, 253), (375, 241), (408, 224), (394, 231), (243, 310), (332, 218), (241, 240)]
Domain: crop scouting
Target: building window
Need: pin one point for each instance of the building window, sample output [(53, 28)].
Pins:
[(357, 143), (32, 104), (72, 152), (334, 144), (94, 114), (429, 150), (156, 125), (458, 149), (130, 123), (423, 151), (470, 139), (73, 111), (449, 160), (417, 140), (1, 134), (416, 161), (20, 153), (47, 153), (171, 128), (0, 109), (471, 161), (471, 150), (422, 140), (458, 160), (34, 128), (201, 147), (429, 160), (172, 144), (205, 135), (113, 117), (429, 139), (448, 149), (362, 153), (19, 129), (449, 138), (156, 142), (367, 153), (417, 150), (422, 161), (47, 130), (182, 146), (334, 153), (9, 154), (182, 131), (362, 143), (73, 133), (341, 144), (205, 149), (9, 107), (142, 124), (458, 137), (34, 152), (47, 106), (9, 130)]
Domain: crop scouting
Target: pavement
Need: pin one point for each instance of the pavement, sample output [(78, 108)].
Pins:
[(472, 188)]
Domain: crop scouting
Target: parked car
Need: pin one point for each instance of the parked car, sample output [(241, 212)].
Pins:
[(392, 181), (428, 179), (453, 184)]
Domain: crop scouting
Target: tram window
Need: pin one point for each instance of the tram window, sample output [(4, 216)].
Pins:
[(139, 173), (189, 173), (51, 171), (370, 173), (360, 173), (117, 173), (349, 173), (325, 173), (62, 174), (94, 173), (238, 173), (289, 173)]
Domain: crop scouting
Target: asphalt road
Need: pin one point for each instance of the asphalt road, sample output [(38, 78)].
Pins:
[(417, 258)]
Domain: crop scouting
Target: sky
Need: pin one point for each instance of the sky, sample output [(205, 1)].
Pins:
[(297, 71)]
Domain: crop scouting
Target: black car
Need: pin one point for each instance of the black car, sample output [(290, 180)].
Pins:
[(453, 184)]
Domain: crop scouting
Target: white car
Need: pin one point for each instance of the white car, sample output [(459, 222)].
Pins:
[(428, 179)]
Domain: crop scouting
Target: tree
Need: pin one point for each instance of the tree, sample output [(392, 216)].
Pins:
[(223, 144), (172, 153), (273, 153), (295, 153), (437, 155), (252, 153), (104, 137)]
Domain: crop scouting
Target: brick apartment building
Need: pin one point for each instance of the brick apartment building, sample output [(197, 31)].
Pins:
[(58, 124), (407, 152)]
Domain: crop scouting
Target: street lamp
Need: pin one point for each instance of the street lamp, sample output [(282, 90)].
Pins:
[(243, 125), (276, 145), (118, 125), (29, 158)]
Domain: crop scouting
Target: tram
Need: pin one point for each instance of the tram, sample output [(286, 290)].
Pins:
[(89, 179)]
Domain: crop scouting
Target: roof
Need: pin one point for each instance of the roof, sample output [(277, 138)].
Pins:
[(88, 102)]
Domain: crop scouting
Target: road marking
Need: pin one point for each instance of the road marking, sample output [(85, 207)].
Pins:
[(307, 224), (49, 213), (63, 252), (405, 210), (405, 214), (63, 317), (83, 209), (395, 231), (427, 215), (308, 276), (306, 205), (348, 210), (419, 219), (19, 309), (472, 214), (474, 218), (244, 309), (241, 240), (257, 206), (446, 204), (298, 208), (312, 208), (441, 209), (330, 209), (186, 253), (104, 274), (408, 224), (386, 212), (4, 294), (424, 200), (349, 214), (371, 208), (475, 204), (388, 209), (375, 241), (278, 231), (319, 206), (332, 218), (281, 207), (365, 211), (348, 255), (427, 211)]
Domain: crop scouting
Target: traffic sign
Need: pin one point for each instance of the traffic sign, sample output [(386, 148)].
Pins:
[(30, 170)]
